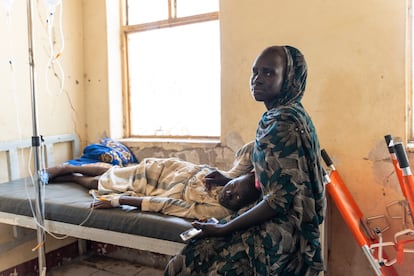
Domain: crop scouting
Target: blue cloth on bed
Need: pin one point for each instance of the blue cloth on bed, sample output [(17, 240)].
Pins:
[(108, 151)]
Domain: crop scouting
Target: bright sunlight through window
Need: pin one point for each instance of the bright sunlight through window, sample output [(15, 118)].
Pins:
[(174, 71)]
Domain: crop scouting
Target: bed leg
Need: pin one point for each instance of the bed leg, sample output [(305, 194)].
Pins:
[(82, 249)]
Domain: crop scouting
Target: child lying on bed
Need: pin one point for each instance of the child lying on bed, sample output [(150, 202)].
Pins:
[(169, 186)]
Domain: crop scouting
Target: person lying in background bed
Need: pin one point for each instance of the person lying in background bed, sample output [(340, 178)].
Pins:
[(169, 185)]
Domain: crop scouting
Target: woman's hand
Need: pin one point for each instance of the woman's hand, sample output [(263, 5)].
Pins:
[(210, 229), (215, 178)]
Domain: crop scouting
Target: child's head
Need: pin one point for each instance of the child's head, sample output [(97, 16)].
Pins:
[(239, 192)]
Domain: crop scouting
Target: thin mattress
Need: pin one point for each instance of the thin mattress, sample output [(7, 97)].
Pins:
[(70, 203)]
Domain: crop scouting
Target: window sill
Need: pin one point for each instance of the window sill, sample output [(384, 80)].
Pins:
[(169, 142)]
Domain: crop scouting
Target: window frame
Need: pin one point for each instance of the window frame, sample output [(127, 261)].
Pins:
[(172, 21)]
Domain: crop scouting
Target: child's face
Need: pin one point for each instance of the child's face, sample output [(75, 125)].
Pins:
[(237, 193)]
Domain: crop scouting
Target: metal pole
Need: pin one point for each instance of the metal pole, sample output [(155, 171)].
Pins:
[(39, 210)]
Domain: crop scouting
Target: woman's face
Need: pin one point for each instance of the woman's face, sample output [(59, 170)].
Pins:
[(268, 72)]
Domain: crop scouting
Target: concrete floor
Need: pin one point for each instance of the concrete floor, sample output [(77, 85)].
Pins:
[(103, 266)]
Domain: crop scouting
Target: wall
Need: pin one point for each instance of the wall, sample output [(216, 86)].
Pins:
[(103, 73), (57, 111), (356, 92)]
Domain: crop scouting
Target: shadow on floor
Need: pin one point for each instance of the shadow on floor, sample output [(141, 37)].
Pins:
[(103, 266)]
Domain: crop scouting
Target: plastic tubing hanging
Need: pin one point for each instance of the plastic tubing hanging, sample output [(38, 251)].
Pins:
[(53, 61)]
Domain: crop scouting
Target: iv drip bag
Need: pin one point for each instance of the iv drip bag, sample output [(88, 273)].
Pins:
[(53, 3), (8, 5)]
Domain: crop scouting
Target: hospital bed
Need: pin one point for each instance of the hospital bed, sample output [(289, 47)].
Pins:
[(68, 212)]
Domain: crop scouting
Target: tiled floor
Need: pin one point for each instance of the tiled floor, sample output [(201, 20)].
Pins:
[(103, 266)]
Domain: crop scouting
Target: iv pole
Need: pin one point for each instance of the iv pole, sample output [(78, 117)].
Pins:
[(36, 140)]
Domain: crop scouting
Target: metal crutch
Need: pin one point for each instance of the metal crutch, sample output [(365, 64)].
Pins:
[(353, 217)]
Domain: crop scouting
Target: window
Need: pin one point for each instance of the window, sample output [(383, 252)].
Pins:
[(173, 68)]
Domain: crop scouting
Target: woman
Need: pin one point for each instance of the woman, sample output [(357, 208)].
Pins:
[(280, 234)]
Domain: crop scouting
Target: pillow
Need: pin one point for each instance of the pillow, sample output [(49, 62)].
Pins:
[(107, 151)]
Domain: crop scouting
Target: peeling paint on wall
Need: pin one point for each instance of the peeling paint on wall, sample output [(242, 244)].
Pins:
[(383, 169), (219, 156)]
